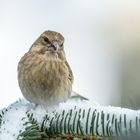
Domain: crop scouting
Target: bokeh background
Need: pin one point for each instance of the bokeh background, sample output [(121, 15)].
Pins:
[(102, 39)]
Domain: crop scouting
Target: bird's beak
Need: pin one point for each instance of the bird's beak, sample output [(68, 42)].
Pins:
[(55, 45)]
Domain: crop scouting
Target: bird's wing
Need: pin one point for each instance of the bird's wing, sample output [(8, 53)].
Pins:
[(71, 77), (75, 95)]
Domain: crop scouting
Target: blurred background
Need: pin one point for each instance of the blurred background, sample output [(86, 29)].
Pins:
[(102, 39)]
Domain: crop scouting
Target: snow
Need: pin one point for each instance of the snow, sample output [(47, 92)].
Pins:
[(15, 115), (12, 124)]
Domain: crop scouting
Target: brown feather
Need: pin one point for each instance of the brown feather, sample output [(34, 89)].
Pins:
[(44, 75)]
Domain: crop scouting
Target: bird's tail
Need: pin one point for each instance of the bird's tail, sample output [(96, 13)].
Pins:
[(76, 95)]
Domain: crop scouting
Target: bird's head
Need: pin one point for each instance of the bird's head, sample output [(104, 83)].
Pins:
[(49, 42)]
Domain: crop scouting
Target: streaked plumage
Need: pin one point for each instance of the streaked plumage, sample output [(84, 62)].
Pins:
[(44, 74)]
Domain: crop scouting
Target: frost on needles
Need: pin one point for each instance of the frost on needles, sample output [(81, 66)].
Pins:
[(72, 119)]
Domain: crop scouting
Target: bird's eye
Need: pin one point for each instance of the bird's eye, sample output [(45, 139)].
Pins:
[(61, 45), (46, 39)]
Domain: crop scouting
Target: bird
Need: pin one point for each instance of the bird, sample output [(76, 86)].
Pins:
[(44, 74)]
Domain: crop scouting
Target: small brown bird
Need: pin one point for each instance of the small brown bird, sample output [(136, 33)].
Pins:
[(44, 74)]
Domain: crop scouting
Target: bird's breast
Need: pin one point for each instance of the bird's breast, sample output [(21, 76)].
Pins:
[(44, 74)]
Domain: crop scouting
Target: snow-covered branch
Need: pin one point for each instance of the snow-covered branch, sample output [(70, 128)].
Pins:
[(80, 119)]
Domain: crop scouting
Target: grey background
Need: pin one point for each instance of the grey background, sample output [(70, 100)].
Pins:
[(101, 44)]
